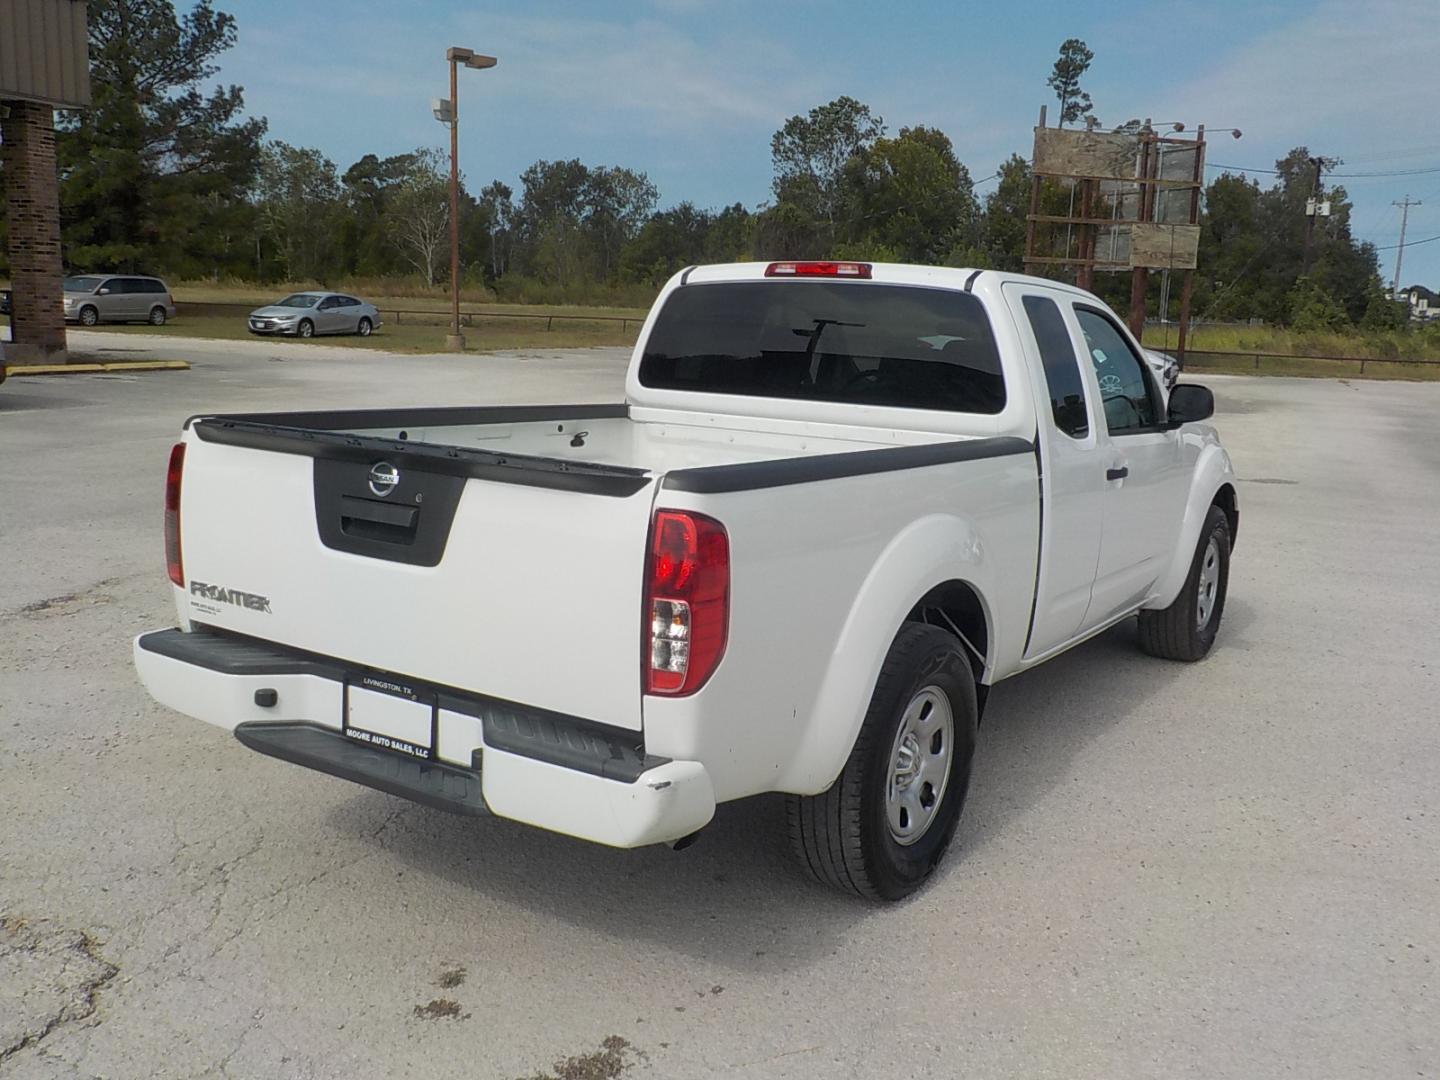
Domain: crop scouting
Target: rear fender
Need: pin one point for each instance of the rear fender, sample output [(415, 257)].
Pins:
[(929, 552), (1212, 472)]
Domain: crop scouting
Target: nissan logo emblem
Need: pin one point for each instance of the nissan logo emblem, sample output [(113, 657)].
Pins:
[(383, 478)]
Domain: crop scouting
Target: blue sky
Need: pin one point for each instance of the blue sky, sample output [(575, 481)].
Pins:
[(689, 91)]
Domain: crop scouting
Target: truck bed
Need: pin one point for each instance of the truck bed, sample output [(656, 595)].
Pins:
[(596, 441)]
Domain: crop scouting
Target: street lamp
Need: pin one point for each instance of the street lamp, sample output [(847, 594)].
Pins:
[(447, 111)]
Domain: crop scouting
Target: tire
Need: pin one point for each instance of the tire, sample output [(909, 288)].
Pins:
[(89, 316), (847, 836), (364, 328), (157, 316), (306, 328), (1186, 629)]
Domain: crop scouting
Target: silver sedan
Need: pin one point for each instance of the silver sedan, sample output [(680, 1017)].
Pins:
[(305, 314)]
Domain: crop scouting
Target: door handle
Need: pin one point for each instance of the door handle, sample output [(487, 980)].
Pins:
[(1117, 474)]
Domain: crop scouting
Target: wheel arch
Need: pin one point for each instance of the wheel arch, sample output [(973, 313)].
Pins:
[(956, 607), (1225, 499), (1211, 484), (934, 566)]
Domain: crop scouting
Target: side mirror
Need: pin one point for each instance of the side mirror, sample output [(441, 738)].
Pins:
[(1190, 403), (102, 292)]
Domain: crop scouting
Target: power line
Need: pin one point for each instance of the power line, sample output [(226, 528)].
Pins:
[(1409, 243), (1344, 176)]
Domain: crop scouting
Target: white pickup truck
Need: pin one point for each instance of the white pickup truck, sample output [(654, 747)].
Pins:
[(839, 502)]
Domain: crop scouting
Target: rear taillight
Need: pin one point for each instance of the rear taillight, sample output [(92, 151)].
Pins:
[(818, 269), (687, 601), (172, 514)]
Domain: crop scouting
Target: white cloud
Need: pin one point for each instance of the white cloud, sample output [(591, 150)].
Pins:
[(1346, 76), (622, 74)]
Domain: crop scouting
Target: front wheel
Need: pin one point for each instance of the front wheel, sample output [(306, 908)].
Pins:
[(157, 316), (89, 316), (364, 328), (881, 829), (1186, 629), (306, 328)]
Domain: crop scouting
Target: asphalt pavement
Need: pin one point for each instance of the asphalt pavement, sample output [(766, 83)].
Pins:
[(1229, 869)]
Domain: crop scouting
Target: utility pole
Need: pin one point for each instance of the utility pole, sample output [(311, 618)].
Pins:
[(1400, 247), (1314, 205)]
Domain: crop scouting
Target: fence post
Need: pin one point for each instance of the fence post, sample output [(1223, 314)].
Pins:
[(549, 321), (1257, 361), (1362, 367)]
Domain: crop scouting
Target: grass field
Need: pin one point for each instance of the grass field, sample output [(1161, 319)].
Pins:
[(1416, 344), (1309, 368)]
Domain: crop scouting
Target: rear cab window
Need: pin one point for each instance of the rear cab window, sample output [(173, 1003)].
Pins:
[(866, 344)]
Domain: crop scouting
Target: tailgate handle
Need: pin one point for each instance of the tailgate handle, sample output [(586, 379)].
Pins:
[(371, 520)]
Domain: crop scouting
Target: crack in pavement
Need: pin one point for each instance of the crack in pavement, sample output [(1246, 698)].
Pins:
[(32, 955)]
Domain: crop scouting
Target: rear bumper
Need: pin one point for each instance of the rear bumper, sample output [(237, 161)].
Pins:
[(553, 772)]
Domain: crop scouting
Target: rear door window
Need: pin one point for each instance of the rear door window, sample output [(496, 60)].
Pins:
[(861, 343), (1062, 366)]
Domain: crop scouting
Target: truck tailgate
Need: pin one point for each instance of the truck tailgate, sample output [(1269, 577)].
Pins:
[(498, 586)]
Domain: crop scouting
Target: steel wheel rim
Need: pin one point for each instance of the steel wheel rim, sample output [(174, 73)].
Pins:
[(920, 762), (1206, 591)]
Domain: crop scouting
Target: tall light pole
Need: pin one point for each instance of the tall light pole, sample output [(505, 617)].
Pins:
[(448, 112)]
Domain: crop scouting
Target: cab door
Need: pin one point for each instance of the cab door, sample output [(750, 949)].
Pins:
[(1072, 483), (1143, 466)]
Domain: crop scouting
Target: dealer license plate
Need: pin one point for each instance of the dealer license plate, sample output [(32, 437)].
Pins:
[(390, 715)]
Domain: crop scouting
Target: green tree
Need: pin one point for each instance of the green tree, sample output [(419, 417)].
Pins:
[(298, 198), (1072, 63), (1253, 244), (369, 185), (910, 195), (497, 208), (552, 206), (1313, 309), (731, 236), (154, 172), (810, 154), (617, 201), (417, 214), (1004, 223), (668, 242)]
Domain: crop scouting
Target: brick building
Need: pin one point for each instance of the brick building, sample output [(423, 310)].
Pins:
[(44, 65)]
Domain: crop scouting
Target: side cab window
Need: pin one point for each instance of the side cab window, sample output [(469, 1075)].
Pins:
[(1062, 367), (1127, 394)]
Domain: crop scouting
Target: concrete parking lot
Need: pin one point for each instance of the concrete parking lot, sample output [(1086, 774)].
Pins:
[(1230, 869)]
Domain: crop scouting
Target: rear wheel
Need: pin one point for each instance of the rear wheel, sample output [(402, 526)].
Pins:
[(157, 316), (886, 822), (1186, 629), (364, 328), (89, 316), (306, 328)]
